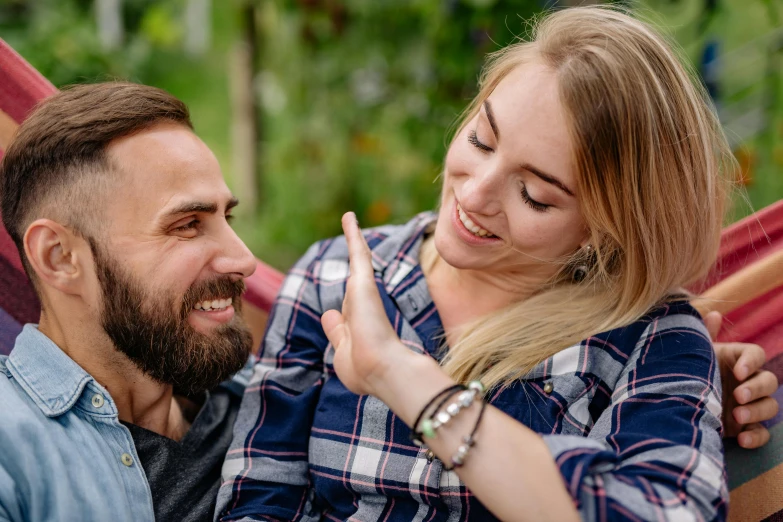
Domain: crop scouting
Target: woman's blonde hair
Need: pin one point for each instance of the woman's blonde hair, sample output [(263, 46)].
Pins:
[(652, 163)]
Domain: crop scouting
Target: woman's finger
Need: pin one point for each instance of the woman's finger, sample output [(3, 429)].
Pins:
[(761, 384), (753, 437), (359, 254), (334, 328)]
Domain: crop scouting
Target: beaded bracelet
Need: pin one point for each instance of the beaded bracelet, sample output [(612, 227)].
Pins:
[(468, 442), (420, 442), (416, 436), (465, 399)]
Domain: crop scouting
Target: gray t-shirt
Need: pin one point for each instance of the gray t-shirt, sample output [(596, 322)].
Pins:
[(184, 476)]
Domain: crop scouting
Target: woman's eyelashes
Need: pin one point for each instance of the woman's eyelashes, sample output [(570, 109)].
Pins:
[(532, 203), (473, 140)]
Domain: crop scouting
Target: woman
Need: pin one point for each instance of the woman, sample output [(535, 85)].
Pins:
[(583, 190)]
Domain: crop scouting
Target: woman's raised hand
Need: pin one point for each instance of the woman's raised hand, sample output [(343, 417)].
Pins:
[(366, 347)]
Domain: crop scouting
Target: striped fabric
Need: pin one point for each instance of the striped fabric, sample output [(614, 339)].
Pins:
[(632, 419), (756, 476)]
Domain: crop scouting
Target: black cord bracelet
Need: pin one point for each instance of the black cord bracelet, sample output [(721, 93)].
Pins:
[(468, 442), (416, 436)]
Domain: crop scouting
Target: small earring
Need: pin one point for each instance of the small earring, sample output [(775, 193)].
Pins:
[(580, 270)]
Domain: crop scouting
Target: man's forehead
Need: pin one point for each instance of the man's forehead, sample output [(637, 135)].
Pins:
[(164, 167)]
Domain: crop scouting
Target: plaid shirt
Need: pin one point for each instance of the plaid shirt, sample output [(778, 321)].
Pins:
[(632, 420)]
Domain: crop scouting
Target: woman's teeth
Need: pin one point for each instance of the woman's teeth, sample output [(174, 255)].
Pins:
[(470, 225), (213, 305)]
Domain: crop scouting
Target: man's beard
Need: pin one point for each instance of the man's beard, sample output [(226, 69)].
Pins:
[(161, 342)]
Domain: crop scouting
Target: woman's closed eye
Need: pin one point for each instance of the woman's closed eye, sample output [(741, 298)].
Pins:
[(473, 140), (532, 203)]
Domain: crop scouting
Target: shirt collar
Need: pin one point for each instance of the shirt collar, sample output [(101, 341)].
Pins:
[(49, 377), (398, 254)]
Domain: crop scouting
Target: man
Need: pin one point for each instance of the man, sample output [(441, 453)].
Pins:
[(121, 216), (112, 407)]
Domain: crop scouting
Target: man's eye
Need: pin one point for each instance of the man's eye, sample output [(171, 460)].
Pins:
[(229, 218), (190, 225)]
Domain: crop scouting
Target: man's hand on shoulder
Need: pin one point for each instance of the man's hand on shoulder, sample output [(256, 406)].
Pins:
[(746, 388)]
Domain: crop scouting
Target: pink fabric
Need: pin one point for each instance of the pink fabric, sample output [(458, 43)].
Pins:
[(21, 86), (263, 285), (743, 243)]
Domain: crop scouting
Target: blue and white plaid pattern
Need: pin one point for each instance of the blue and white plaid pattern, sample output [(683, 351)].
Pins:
[(633, 420)]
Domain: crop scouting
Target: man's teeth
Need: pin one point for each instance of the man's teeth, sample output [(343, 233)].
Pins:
[(210, 305), (470, 225)]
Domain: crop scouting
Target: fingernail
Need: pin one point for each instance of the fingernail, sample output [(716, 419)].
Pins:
[(745, 439), (744, 371), (745, 395), (743, 415)]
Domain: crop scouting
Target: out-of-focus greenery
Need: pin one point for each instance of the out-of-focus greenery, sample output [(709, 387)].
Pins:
[(356, 96), (60, 39), (749, 35)]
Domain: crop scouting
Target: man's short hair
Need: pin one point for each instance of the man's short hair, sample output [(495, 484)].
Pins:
[(57, 163)]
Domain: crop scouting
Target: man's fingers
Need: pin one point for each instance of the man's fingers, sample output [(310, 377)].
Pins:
[(761, 384), (712, 321), (334, 327), (754, 436), (358, 252), (750, 359), (760, 410)]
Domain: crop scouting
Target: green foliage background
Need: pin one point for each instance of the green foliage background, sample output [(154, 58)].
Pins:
[(356, 97)]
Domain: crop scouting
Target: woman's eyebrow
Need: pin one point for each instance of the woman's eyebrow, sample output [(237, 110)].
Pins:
[(548, 178), (491, 118)]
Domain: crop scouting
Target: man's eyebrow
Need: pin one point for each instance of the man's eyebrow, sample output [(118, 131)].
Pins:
[(491, 118), (548, 178), (199, 206)]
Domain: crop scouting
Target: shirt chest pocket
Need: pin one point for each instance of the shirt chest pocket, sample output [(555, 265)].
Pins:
[(554, 404)]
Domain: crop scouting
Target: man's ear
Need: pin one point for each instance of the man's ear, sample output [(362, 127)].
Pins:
[(51, 251)]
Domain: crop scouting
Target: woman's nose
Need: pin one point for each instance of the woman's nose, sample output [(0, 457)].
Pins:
[(482, 192)]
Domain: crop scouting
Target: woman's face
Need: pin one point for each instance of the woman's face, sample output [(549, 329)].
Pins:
[(509, 201)]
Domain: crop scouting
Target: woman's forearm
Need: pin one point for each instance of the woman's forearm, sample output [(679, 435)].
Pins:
[(509, 469)]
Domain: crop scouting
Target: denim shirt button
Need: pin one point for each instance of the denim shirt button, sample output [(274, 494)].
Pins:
[(97, 400), (127, 459)]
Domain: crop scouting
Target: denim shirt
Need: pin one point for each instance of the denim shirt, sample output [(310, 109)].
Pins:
[(63, 453)]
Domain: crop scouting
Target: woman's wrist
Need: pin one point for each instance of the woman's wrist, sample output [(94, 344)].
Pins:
[(409, 381)]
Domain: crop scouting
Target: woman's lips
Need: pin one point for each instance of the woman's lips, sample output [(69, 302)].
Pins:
[(466, 235)]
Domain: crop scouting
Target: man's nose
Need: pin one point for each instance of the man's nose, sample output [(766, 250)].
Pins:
[(236, 257)]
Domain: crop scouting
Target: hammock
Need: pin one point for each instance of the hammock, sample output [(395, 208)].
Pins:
[(746, 286)]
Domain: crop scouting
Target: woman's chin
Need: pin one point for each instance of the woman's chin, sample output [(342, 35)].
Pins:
[(455, 254)]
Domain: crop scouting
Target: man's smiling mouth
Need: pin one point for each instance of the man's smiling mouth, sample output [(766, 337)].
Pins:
[(209, 305)]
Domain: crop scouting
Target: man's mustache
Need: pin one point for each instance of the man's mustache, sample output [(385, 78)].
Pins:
[(218, 288)]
